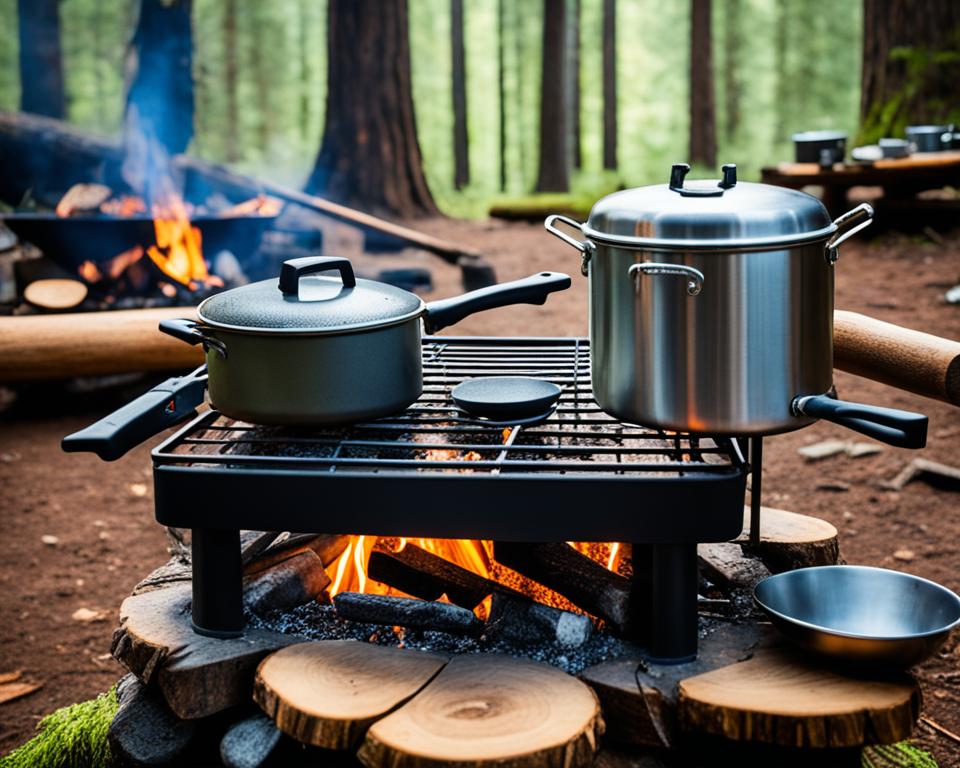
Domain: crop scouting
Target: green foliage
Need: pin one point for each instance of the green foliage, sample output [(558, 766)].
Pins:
[(901, 755), (9, 53), (71, 737)]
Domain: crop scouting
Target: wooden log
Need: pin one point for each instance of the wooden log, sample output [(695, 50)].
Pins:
[(726, 563), (580, 579), (327, 693), (34, 347), (639, 699), (55, 293), (175, 571), (406, 612), (422, 574), (779, 697), (917, 362), (197, 675), (521, 620), (490, 710), (253, 544), (144, 731), (789, 540), (249, 743), (292, 582), (328, 547)]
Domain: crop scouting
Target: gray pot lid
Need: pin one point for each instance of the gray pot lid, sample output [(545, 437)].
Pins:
[(302, 301), (708, 214)]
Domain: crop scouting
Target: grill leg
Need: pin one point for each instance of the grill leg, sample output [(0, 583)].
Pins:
[(665, 598), (217, 582)]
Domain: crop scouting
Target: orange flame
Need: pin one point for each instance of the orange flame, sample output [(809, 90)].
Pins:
[(177, 253)]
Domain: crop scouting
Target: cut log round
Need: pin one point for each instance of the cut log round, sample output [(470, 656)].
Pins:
[(327, 693), (197, 675), (55, 293), (777, 697), (789, 540), (487, 709)]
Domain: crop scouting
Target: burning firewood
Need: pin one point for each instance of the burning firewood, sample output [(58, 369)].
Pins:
[(292, 582), (261, 205), (83, 198), (521, 620), (406, 612)]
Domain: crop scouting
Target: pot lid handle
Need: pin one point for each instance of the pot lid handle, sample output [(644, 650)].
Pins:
[(679, 171), (293, 269)]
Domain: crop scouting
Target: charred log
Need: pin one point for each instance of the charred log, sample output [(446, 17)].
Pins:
[(406, 612)]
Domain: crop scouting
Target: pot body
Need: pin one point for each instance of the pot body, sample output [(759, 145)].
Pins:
[(323, 379), (729, 360)]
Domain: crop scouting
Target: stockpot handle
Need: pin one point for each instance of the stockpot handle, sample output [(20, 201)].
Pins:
[(903, 429), (694, 276), (856, 219), (191, 332), (548, 224), (293, 269)]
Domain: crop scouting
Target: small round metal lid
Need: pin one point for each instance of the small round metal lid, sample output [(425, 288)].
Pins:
[(304, 302), (707, 214)]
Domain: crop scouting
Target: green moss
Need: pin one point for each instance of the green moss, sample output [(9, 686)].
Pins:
[(71, 737), (901, 755)]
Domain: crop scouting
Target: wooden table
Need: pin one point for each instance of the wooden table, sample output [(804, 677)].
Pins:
[(901, 179)]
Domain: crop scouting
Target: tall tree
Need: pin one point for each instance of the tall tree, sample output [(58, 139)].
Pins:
[(461, 148), (610, 84), (41, 66), (732, 42), (573, 84), (502, 93), (230, 78), (159, 105), (370, 156), (703, 129), (911, 67), (782, 83), (553, 174)]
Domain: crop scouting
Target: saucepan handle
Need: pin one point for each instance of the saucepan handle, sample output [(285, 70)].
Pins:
[(903, 429), (191, 332), (584, 246), (848, 225), (694, 276), (529, 290)]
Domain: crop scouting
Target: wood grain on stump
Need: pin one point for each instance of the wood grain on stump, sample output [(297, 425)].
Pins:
[(487, 709), (327, 693), (777, 697), (789, 540)]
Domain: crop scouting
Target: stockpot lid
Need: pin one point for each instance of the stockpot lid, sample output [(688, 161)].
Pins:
[(304, 302), (708, 214)]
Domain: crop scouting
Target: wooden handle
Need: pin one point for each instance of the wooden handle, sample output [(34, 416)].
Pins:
[(34, 347), (917, 362)]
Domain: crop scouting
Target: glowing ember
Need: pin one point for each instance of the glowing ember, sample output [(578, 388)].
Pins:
[(125, 205)]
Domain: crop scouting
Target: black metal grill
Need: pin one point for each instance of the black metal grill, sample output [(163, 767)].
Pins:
[(433, 471)]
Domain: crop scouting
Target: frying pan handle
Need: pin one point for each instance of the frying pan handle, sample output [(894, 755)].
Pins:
[(529, 290), (163, 406), (293, 269), (903, 429), (191, 332)]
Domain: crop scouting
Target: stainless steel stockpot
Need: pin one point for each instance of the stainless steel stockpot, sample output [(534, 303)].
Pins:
[(711, 306), (328, 350)]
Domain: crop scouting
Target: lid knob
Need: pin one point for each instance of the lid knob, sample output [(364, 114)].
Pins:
[(293, 269), (729, 176), (678, 173)]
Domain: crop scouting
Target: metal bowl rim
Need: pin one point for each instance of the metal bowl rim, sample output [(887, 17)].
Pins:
[(854, 636)]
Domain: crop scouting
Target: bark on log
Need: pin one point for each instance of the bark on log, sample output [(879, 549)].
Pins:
[(197, 675), (327, 693), (38, 347), (583, 581), (726, 563), (778, 697), (292, 582), (327, 546), (789, 540), (490, 710), (144, 731), (639, 699), (406, 612), (522, 620)]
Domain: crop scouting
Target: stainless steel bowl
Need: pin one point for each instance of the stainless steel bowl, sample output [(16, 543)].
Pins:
[(855, 613)]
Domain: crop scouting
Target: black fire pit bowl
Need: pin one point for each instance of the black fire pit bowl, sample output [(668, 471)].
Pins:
[(72, 241)]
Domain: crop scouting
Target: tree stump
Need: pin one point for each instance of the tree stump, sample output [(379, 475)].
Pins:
[(490, 710), (789, 540), (327, 693), (778, 697)]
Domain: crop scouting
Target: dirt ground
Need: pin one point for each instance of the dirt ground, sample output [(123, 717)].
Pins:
[(106, 539)]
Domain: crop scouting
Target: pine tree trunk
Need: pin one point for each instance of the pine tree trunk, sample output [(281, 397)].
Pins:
[(782, 83), (461, 150), (370, 156), (703, 131), (573, 84), (502, 93), (159, 103), (553, 174), (731, 69), (304, 111), (232, 127), (41, 66), (610, 84), (910, 70)]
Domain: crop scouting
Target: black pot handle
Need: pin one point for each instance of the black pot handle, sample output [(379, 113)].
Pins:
[(903, 429), (529, 290), (293, 269), (191, 332)]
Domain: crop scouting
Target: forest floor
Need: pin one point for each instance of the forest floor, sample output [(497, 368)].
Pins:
[(102, 513)]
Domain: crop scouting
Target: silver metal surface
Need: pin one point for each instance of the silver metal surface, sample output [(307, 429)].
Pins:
[(727, 361), (694, 276), (848, 224), (860, 614)]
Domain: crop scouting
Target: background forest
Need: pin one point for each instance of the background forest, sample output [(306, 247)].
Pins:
[(779, 66)]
